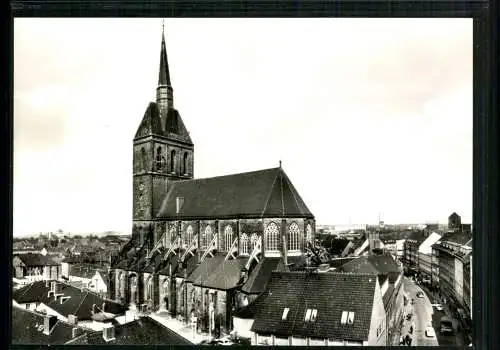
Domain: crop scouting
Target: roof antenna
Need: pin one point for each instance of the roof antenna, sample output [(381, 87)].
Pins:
[(280, 163)]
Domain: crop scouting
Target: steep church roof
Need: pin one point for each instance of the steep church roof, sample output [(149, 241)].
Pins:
[(256, 194), (151, 122), (164, 75)]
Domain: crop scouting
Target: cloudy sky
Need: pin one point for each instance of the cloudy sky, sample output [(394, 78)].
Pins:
[(367, 115)]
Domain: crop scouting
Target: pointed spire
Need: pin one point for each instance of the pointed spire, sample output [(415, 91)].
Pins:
[(164, 76)]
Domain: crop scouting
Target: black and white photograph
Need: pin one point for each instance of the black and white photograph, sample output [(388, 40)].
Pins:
[(242, 181)]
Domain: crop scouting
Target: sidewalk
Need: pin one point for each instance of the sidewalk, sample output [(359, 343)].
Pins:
[(181, 328), (405, 328)]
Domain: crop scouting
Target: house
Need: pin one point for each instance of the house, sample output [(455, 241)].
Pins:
[(99, 282), (143, 331), (35, 267), (391, 283), (344, 309), (425, 257), (31, 328), (66, 302)]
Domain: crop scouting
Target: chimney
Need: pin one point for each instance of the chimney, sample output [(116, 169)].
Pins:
[(103, 307), (179, 204), (53, 286), (108, 332), (76, 332), (49, 322), (72, 319), (244, 275), (47, 284)]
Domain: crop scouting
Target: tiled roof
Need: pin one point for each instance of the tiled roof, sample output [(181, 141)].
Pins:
[(218, 273), (79, 304), (35, 259), (329, 293), (144, 331), (266, 193), (457, 237), (379, 264), (260, 275), (27, 328), (151, 123), (388, 294)]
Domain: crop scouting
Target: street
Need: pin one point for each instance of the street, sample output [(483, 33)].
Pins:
[(422, 316)]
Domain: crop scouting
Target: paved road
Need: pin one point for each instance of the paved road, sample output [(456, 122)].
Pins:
[(422, 315)]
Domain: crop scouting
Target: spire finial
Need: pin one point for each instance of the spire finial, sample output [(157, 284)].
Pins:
[(163, 25), (280, 163)]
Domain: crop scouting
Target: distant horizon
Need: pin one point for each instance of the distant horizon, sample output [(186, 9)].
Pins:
[(367, 115)]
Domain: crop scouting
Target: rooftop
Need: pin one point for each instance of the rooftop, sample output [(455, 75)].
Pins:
[(283, 308), (35, 259), (143, 331)]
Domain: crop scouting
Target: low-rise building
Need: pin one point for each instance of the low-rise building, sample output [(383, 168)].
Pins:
[(344, 309), (35, 267), (32, 328), (390, 276), (66, 302), (143, 331)]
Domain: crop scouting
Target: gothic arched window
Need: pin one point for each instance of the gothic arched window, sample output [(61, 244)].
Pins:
[(293, 236), (253, 240), (228, 238), (185, 163), (158, 159), (309, 237), (149, 289), (172, 161), (272, 234), (189, 235), (144, 160), (206, 237), (244, 244)]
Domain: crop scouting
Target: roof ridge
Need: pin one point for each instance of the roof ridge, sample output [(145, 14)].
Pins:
[(228, 175), (292, 189), (81, 303), (270, 193)]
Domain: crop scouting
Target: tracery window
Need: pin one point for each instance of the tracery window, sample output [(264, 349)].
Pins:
[(189, 235), (253, 240), (293, 236), (244, 244), (228, 238), (309, 233), (206, 238), (272, 236)]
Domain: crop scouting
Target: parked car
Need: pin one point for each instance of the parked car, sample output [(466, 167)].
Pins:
[(429, 332), (408, 317), (420, 294), (439, 307)]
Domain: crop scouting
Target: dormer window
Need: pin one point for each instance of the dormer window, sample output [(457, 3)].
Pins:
[(308, 315), (347, 317), (311, 315), (285, 314)]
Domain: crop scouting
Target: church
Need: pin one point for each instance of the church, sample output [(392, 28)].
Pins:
[(202, 247)]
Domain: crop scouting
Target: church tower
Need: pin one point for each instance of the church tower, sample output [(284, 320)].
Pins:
[(162, 153)]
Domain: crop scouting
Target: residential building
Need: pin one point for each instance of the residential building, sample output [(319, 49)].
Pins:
[(345, 309), (32, 328), (66, 302), (454, 274), (35, 267), (194, 241), (100, 283), (390, 275), (143, 331), (425, 257)]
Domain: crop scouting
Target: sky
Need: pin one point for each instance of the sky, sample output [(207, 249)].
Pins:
[(368, 116)]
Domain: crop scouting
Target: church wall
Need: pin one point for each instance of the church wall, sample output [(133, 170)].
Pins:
[(141, 164), (160, 187), (142, 198), (160, 227)]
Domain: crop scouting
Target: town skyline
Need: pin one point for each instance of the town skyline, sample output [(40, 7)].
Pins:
[(364, 134)]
